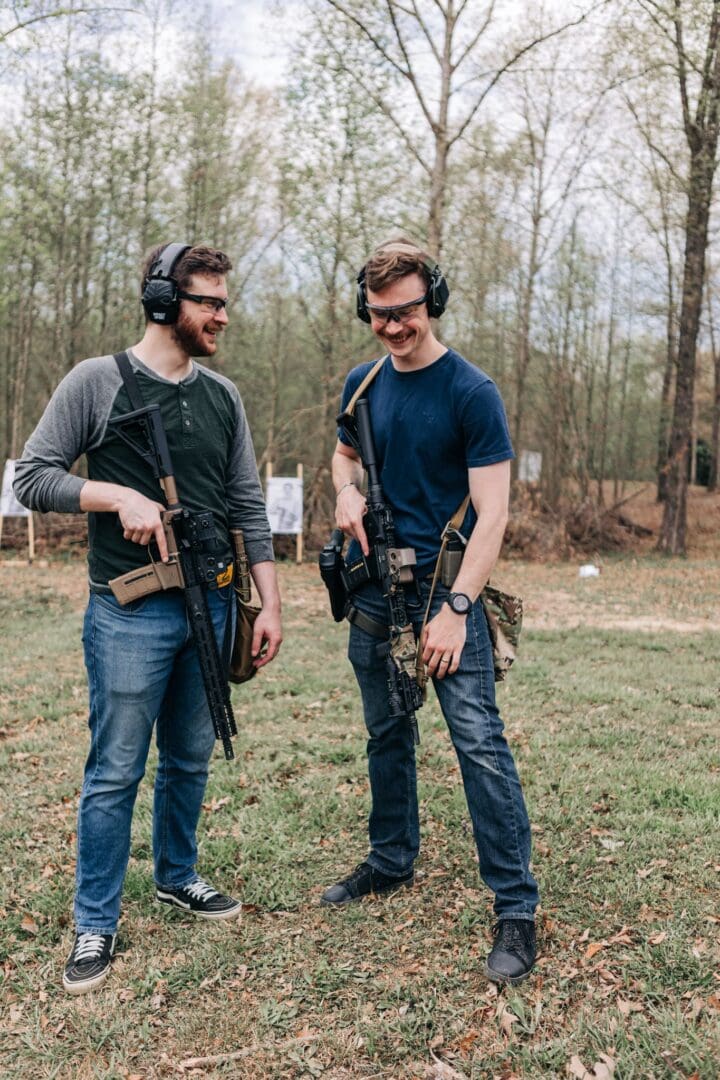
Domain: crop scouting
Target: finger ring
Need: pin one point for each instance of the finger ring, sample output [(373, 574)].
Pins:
[(443, 660)]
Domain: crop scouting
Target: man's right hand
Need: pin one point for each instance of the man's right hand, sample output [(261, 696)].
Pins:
[(349, 513), (141, 520)]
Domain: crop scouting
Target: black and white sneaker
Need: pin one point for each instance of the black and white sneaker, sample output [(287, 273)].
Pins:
[(88, 965), (201, 899)]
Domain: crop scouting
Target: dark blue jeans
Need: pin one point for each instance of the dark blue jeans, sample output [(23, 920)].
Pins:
[(143, 672), (492, 786)]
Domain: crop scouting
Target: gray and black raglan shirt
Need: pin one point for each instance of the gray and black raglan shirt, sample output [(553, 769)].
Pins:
[(209, 442)]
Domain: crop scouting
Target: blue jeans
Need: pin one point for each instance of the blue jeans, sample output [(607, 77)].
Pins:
[(142, 668), (492, 786)]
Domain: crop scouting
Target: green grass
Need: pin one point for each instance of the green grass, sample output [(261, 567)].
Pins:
[(615, 734)]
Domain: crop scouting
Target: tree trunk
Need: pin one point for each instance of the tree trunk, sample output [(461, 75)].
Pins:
[(673, 532)]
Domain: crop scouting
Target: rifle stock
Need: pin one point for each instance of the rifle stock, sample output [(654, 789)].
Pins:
[(154, 577)]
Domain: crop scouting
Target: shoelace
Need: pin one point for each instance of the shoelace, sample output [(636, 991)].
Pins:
[(88, 947), (513, 936), (200, 890)]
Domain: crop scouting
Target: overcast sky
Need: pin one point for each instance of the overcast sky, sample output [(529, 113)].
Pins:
[(248, 31)]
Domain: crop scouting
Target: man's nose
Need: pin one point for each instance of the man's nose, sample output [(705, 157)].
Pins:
[(221, 316)]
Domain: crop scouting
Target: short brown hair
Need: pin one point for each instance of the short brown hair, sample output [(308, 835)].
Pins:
[(196, 260), (395, 259)]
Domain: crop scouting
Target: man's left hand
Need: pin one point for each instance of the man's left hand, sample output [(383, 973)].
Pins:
[(267, 637), (443, 642)]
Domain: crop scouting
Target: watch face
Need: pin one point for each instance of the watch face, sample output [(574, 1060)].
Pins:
[(460, 603)]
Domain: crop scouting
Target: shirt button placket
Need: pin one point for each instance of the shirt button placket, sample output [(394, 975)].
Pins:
[(186, 417)]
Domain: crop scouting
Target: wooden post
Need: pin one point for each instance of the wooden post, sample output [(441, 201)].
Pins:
[(299, 537)]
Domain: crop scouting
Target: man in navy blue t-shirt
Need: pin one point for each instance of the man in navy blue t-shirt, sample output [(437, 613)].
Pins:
[(440, 432)]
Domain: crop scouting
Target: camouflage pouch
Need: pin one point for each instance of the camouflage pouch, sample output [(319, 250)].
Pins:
[(504, 616)]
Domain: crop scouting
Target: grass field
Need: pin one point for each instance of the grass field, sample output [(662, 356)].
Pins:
[(612, 712)]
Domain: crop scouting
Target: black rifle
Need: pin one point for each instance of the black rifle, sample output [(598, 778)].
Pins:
[(391, 566), (193, 564)]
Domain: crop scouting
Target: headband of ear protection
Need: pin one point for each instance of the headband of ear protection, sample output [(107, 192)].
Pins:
[(160, 292), (438, 290)]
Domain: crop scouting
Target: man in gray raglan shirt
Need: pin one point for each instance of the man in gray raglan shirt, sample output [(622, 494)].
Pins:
[(142, 664)]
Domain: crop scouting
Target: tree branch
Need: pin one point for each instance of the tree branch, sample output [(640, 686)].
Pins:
[(460, 131), (690, 131), (58, 14)]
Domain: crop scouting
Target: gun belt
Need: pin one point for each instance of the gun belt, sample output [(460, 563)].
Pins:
[(366, 622)]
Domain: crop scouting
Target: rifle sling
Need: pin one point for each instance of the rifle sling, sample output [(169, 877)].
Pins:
[(374, 370), (129, 378)]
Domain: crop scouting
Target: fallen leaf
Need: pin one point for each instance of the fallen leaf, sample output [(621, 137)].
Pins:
[(594, 948), (507, 1019), (627, 1007), (468, 1041), (604, 1069), (657, 939), (29, 925)]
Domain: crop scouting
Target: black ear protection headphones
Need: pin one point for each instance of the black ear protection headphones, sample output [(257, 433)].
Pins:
[(438, 290), (160, 292)]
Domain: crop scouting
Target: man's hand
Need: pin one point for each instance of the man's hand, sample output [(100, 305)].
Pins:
[(267, 637), (443, 642), (349, 513), (141, 520)]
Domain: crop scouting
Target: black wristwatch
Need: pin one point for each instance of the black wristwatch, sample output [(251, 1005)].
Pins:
[(459, 602)]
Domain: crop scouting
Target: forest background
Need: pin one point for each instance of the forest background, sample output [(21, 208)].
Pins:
[(558, 160)]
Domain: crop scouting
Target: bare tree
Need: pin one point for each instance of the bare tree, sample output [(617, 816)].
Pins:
[(688, 34), (439, 50), (715, 422)]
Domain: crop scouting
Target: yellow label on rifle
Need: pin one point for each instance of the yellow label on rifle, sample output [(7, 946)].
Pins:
[(225, 577)]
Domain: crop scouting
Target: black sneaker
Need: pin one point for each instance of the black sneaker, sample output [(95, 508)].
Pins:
[(201, 899), (365, 879), (88, 965), (513, 953)]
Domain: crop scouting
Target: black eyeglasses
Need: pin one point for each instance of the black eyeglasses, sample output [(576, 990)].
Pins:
[(401, 313), (207, 303)]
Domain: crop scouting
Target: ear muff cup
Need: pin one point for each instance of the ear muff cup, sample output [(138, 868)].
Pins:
[(160, 292)]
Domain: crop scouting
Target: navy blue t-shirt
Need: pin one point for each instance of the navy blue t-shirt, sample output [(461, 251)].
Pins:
[(430, 426)]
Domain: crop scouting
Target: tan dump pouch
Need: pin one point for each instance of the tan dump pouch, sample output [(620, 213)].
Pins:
[(241, 663)]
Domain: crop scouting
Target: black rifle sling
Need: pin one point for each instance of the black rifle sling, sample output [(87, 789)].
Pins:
[(128, 377)]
